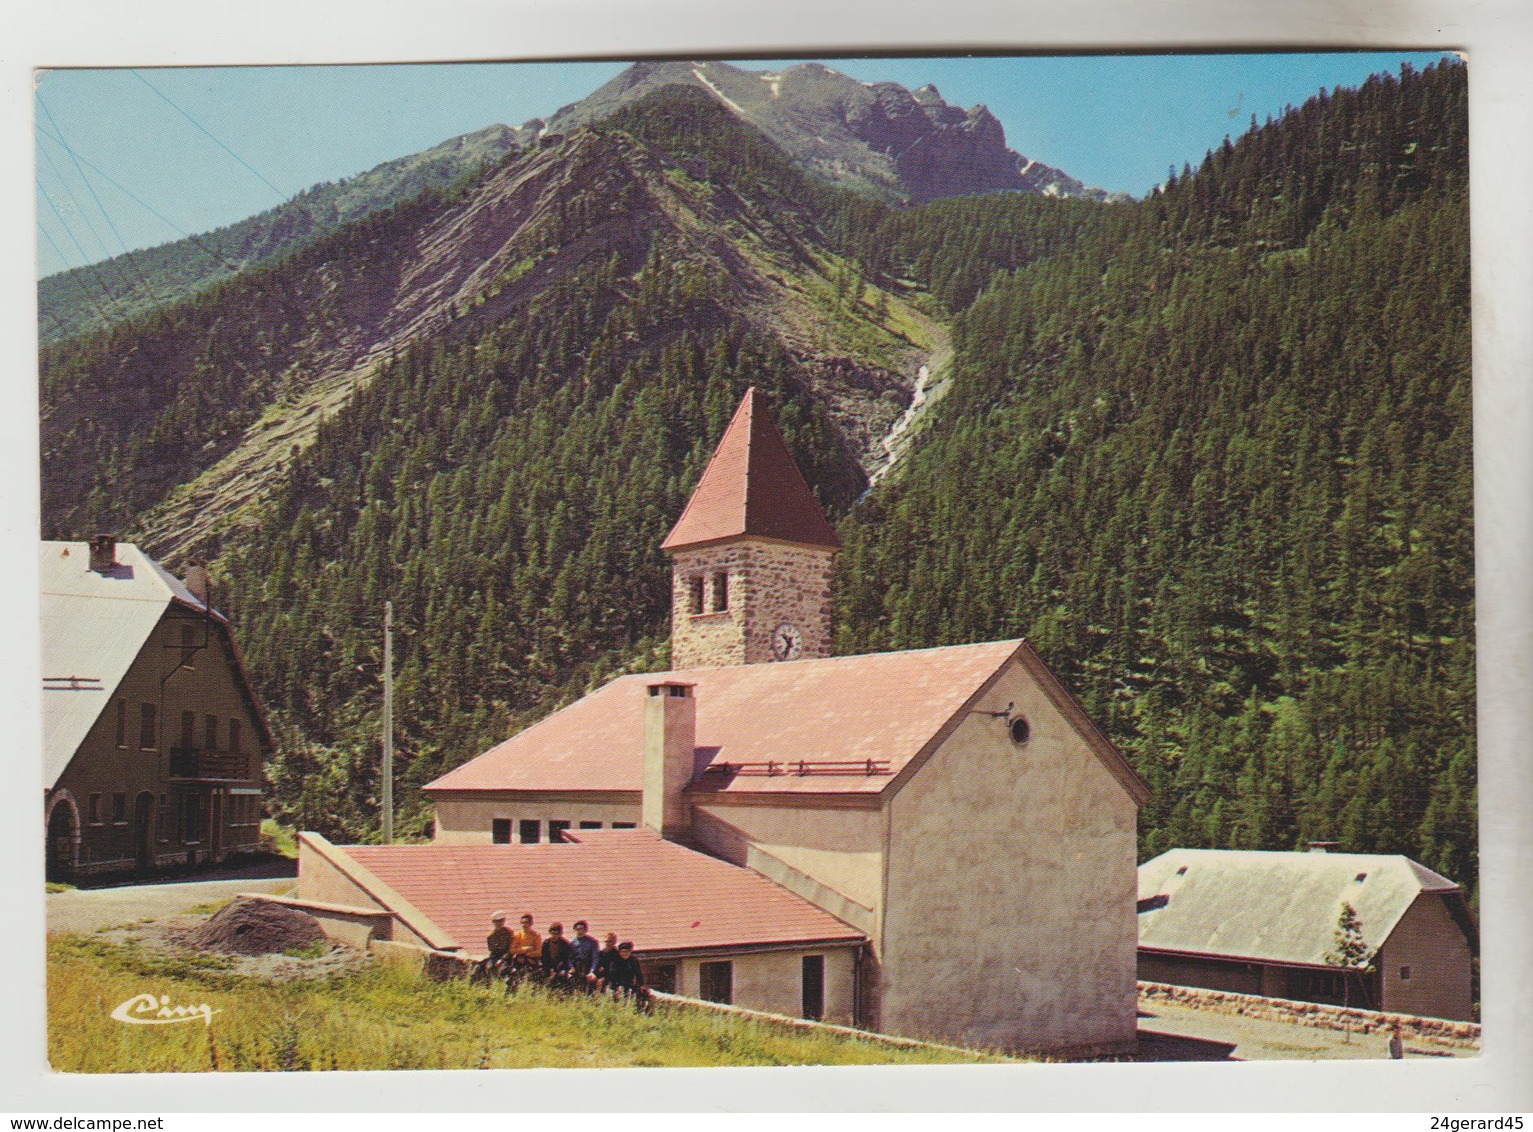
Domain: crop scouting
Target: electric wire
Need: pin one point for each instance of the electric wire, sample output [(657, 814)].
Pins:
[(212, 252), (281, 195), (98, 263), (105, 318), (58, 251), (127, 253)]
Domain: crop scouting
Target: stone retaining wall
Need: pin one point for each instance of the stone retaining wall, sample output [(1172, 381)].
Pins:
[(1464, 1035)]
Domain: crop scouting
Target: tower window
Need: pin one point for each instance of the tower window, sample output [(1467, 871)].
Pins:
[(720, 591), (528, 831), (697, 588), (500, 831)]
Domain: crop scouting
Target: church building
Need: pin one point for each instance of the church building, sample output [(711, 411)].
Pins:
[(947, 841)]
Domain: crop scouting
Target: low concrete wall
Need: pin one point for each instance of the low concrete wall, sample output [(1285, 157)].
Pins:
[(1465, 1035)]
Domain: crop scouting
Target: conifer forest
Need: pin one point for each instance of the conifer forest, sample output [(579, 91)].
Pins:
[(1209, 451)]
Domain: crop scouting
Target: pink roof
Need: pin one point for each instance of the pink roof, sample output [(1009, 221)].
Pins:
[(882, 706), (752, 487), (663, 896)]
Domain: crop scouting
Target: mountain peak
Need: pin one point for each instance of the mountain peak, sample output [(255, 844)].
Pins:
[(877, 137)]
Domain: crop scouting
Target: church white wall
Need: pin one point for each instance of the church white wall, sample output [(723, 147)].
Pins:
[(1010, 910)]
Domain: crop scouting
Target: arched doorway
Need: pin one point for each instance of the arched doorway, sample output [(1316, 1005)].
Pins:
[(63, 830), (143, 832)]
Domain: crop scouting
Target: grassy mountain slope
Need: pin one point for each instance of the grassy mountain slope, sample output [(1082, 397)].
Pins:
[(1209, 451), (487, 405), (177, 424), (92, 297)]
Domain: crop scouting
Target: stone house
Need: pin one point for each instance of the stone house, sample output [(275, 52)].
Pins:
[(952, 807), (1263, 923), (153, 738)]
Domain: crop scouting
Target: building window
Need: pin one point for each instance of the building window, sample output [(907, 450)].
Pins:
[(1405, 974), (590, 825), (122, 723), (814, 987), (162, 819), (528, 832), (189, 818), (696, 586), (556, 831), (234, 736), (660, 976), (210, 732), (721, 590), (93, 809), (188, 728), (148, 730), (1021, 730), (717, 981), (500, 831), (624, 824), (119, 809)]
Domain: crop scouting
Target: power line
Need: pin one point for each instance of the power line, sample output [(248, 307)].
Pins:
[(105, 318), (172, 225), (63, 330), (205, 130), (85, 258), (153, 298)]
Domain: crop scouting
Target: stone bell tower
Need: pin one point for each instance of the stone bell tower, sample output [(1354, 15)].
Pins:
[(752, 555)]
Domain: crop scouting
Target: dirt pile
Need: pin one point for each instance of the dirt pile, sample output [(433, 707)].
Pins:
[(256, 927)]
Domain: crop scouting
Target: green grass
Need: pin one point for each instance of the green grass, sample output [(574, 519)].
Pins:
[(312, 950), (57, 886), (279, 838), (388, 1017), (208, 907)]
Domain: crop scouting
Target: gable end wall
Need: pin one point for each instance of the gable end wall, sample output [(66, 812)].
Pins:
[(1010, 888)]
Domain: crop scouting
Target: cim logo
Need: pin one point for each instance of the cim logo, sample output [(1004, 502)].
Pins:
[(147, 1010)]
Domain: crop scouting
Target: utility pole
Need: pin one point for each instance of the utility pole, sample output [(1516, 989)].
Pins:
[(388, 723)]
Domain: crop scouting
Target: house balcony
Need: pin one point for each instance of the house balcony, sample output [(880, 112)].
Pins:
[(202, 764)]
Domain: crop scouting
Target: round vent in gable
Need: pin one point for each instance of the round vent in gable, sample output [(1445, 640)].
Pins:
[(1021, 730)]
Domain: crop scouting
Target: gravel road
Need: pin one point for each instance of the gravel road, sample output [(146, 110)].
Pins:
[(1174, 1032), (90, 909)]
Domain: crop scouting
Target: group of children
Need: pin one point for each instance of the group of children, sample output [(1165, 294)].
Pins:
[(559, 963)]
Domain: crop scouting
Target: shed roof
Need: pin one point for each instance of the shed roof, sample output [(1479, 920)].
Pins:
[(885, 707), (1277, 907), (94, 624), (663, 896), (752, 486)]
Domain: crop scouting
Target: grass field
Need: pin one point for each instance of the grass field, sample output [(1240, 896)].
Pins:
[(389, 1018)]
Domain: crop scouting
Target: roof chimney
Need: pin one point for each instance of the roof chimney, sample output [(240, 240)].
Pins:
[(670, 740), (1323, 846), (103, 553), (198, 582)]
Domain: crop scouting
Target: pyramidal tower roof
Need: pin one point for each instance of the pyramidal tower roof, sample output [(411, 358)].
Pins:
[(752, 487)]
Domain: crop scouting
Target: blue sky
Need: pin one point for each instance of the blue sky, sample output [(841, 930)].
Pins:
[(204, 147)]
